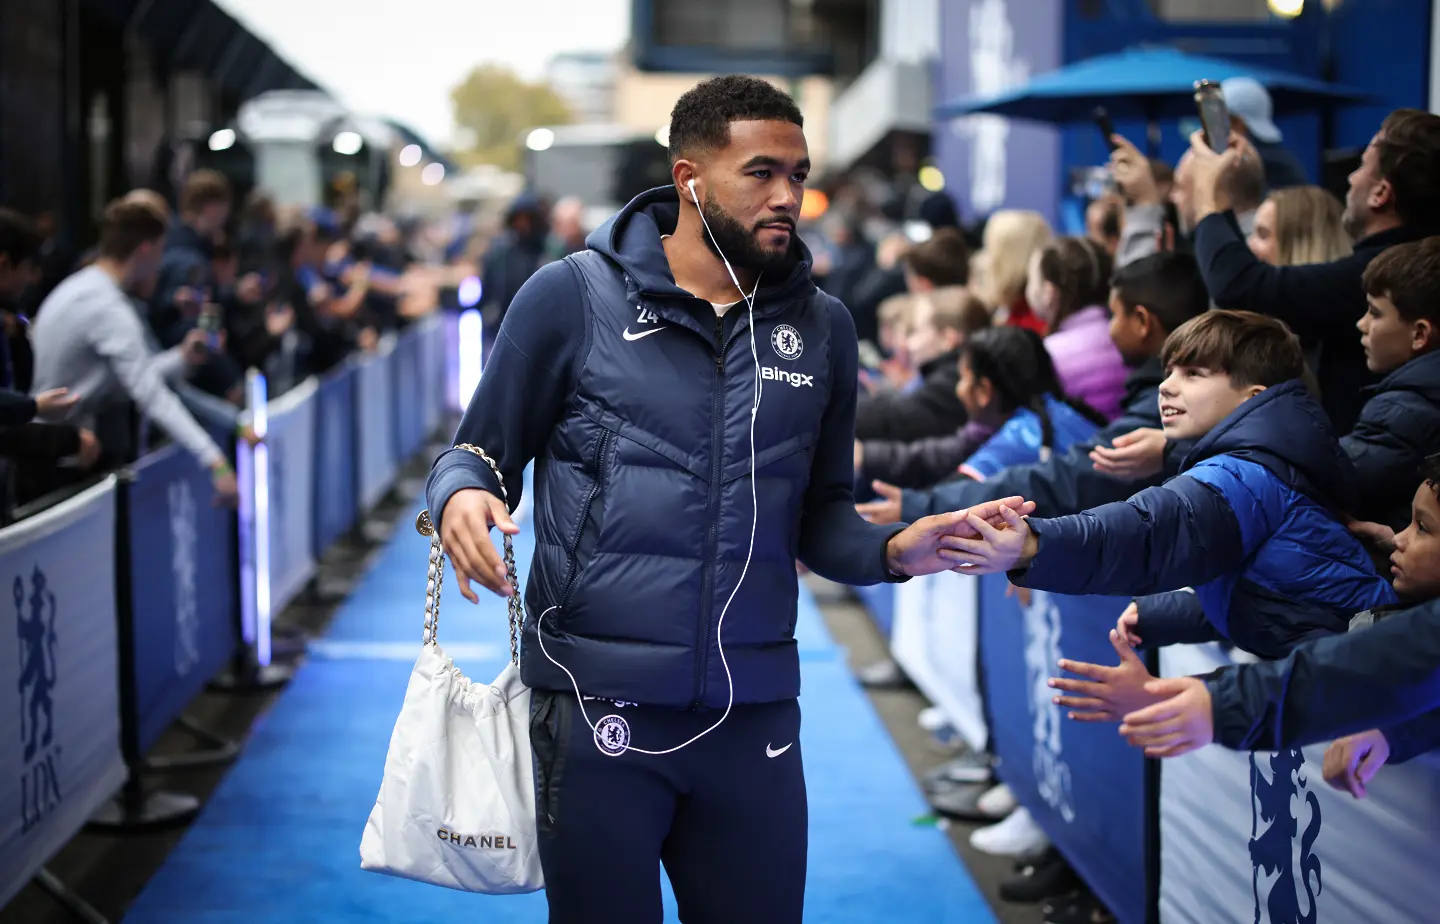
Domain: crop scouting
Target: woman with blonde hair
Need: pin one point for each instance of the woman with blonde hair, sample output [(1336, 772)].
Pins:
[(1012, 237), (1299, 225)]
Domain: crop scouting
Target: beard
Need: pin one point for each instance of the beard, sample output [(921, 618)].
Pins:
[(729, 239)]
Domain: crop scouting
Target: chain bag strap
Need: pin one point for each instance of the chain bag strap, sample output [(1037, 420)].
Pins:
[(426, 527)]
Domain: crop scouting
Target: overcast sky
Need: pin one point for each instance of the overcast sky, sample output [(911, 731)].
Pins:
[(401, 57)]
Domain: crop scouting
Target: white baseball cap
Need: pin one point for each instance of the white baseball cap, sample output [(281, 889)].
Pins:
[(1248, 101)]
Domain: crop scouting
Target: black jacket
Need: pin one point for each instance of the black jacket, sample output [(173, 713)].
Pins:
[(1399, 426), (932, 409)]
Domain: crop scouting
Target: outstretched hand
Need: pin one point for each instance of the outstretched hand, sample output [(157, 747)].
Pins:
[(1134, 455), (924, 546), (1181, 722), (887, 508), (979, 546), (1353, 761), (1110, 692)]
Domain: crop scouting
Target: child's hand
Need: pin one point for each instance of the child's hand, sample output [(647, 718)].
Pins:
[(1125, 625), (1181, 723), (54, 402), (1377, 535), (1351, 762), (1137, 454), (886, 509), (996, 550), (1111, 692)]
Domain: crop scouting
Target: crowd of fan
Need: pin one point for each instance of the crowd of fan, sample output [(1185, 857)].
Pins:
[(1293, 342), (160, 322)]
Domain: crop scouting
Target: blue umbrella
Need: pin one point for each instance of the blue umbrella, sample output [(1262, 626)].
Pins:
[(1140, 83)]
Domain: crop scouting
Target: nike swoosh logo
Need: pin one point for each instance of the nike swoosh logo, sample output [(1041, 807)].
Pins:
[(643, 333), (771, 752)]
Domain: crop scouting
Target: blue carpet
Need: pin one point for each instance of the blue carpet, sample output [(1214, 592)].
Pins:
[(279, 839)]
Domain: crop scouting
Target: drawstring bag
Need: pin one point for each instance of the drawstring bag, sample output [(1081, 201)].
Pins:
[(457, 804)]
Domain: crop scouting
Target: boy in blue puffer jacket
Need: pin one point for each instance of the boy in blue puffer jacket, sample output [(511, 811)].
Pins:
[(1253, 522)]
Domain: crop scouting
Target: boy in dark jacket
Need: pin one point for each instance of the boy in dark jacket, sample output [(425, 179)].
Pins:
[(1399, 425), (1386, 674), (1252, 522)]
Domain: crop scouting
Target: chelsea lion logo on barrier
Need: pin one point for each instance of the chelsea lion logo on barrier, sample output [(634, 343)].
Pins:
[(1273, 829), (35, 624)]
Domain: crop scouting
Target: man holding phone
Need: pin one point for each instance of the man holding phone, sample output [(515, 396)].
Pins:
[(1251, 115), (1394, 198), (1155, 222)]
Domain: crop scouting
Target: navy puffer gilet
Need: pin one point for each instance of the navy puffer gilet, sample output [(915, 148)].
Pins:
[(643, 502)]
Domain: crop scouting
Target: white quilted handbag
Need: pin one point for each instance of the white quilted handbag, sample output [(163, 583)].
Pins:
[(457, 804)]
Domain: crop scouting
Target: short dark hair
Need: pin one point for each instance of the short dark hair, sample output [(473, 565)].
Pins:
[(1408, 275), (943, 258), (1252, 349), (19, 238), (1430, 471), (127, 225), (1168, 284), (1408, 148), (701, 118)]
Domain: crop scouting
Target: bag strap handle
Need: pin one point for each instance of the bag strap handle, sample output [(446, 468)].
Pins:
[(435, 577)]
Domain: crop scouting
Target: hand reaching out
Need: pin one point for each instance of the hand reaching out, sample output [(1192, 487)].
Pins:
[(922, 547), (1353, 761), (1376, 535), (1125, 625), (1183, 720), (979, 547), (1134, 455), (1111, 692), (887, 508), (54, 402)]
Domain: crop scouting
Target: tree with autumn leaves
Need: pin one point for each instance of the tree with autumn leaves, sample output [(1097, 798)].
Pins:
[(494, 108)]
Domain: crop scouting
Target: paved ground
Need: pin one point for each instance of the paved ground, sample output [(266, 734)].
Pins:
[(852, 628)]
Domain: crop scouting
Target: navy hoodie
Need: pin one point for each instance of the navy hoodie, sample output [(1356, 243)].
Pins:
[(634, 401), (1399, 427), (1251, 523)]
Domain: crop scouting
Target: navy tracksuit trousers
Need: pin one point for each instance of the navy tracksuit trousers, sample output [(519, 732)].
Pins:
[(726, 815)]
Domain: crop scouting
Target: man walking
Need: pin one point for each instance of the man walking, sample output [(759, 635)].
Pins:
[(688, 397)]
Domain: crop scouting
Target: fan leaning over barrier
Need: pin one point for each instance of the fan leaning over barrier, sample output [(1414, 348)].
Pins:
[(457, 804)]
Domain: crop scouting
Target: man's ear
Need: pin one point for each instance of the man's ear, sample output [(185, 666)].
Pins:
[(683, 173)]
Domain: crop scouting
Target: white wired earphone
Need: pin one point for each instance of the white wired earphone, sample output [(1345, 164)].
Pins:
[(754, 500)]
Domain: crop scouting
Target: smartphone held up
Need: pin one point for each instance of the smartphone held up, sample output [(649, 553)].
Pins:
[(1214, 114)]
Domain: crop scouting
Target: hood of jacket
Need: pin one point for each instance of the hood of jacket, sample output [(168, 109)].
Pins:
[(1420, 375), (632, 239), (1285, 429)]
